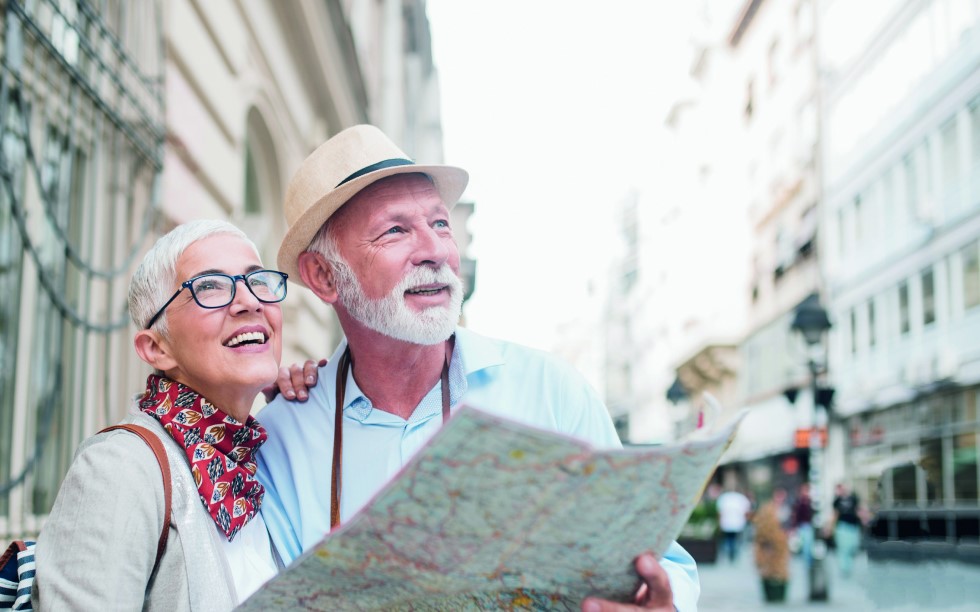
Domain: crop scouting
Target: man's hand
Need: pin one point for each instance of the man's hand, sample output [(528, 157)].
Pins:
[(295, 381), (653, 594)]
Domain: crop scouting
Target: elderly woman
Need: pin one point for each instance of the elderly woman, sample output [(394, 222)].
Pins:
[(214, 343)]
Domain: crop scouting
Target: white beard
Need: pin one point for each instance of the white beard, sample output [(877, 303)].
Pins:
[(391, 316)]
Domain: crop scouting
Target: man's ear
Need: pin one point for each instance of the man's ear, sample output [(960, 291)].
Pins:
[(154, 350), (318, 275)]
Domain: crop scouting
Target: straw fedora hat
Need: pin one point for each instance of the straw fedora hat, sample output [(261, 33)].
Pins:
[(338, 169)]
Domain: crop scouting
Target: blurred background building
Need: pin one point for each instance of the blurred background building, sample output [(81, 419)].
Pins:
[(822, 152), (900, 258), (728, 235), (120, 120)]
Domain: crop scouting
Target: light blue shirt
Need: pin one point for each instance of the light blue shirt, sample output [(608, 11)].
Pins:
[(499, 377)]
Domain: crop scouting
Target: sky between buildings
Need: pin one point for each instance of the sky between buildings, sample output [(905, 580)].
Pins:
[(554, 108)]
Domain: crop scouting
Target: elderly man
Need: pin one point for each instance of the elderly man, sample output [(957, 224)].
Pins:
[(370, 235)]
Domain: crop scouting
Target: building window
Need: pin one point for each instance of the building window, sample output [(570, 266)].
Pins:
[(63, 35), (888, 202), (903, 308), (965, 468), (950, 156), (63, 174), (971, 275), (807, 131), (857, 219), (975, 132), (911, 186), (931, 462), (784, 253), (843, 244), (253, 202), (871, 323), (803, 18), (904, 484), (946, 469), (807, 232), (772, 63), (262, 187), (630, 232), (749, 100), (11, 275), (923, 163), (83, 153), (854, 331), (928, 297)]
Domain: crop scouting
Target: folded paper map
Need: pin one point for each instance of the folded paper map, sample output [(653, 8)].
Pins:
[(492, 514)]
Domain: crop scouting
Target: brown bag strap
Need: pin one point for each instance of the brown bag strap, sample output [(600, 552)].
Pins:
[(157, 447)]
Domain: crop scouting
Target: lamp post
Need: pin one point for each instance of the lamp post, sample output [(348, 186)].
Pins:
[(812, 322), (676, 394)]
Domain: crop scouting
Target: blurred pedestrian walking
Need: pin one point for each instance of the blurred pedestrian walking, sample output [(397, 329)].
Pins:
[(802, 521), (846, 527), (733, 516), (783, 509)]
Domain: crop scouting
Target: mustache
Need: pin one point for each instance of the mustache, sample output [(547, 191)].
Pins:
[(429, 276)]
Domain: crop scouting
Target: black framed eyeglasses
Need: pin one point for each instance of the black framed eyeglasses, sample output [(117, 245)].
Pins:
[(218, 290)]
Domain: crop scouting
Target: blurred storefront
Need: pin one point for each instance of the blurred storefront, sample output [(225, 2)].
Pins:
[(916, 463)]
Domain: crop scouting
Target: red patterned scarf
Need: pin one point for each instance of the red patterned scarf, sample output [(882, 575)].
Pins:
[(219, 447)]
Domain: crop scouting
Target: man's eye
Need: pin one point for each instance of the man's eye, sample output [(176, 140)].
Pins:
[(394, 230), (441, 223)]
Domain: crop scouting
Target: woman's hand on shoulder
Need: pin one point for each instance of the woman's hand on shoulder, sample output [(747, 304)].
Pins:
[(295, 381)]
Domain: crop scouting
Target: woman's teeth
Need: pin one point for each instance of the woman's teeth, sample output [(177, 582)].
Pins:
[(258, 337)]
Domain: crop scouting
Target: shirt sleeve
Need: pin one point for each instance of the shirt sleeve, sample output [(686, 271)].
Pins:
[(683, 574), (275, 475), (585, 415), (99, 544)]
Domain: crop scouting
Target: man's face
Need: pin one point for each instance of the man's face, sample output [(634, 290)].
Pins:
[(399, 273)]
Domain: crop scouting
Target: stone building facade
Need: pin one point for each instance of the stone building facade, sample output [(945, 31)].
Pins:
[(120, 120)]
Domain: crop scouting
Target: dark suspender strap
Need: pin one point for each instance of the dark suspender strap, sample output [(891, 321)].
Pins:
[(338, 438), (336, 469), (157, 447), (445, 383)]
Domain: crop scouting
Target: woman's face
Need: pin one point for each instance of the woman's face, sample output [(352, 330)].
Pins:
[(211, 354)]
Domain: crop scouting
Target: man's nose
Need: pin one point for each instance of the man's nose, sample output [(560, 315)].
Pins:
[(434, 248)]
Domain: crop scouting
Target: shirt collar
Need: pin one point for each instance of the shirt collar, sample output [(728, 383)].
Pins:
[(478, 352), (471, 353)]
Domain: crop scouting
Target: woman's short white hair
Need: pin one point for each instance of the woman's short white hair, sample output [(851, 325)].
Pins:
[(155, 279)]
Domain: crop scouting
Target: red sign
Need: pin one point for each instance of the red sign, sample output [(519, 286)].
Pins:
[(802, 438), (790, 465)]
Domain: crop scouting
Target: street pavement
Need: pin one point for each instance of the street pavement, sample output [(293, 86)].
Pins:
[(891, 586)]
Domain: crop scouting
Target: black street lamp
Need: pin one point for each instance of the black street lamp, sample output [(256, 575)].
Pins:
[(677, 393), (812, 322)]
